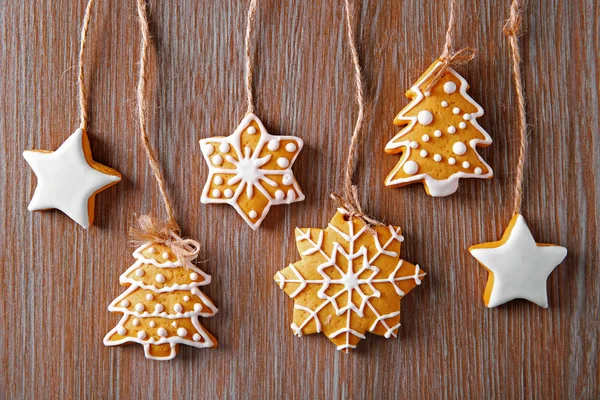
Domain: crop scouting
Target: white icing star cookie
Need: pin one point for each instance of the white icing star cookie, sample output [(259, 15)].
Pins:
[(69, 179), (251, 170), (518, 265)]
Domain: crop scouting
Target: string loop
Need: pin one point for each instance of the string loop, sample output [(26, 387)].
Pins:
[(350, 201), (449, 56), (512, 28), (83, 112), (250, 23)]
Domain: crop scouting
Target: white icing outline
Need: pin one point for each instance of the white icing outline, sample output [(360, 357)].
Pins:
[(325, 281), (437, 187), (234, 141), (115, 306)]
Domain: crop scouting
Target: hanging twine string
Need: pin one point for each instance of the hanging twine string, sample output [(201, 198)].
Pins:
[(250, 23), (149, 229), (512, 29), (83, 114), (450, 57), (350, 201)]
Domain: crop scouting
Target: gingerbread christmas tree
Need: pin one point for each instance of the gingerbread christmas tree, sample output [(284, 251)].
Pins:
[(438, 143), (162, 304)]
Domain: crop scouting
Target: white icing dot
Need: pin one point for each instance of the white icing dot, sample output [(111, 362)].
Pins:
[(135, 322), (186, 298), (427, 93), (196, 337), (451, 129), (424, 153), (287, 179), (462, 125), (251, 130), (165, 255), (425, 138), (162, 332), (177, 307), (466, 164), (158, 308), (141, 335), (194, 276), (208, 149), (467, 117), (478, 171), (216, 193), (437, 133), (273, 144), (291, 195), (283, 162), (291, 147), (181, 332), (139, 307), (160, 278), (414, 144), (459, 148), (218, 180), (228, 193), (252, 214), (174, 324), (410, 167), (449, 87), (444, 104), (437, 158), (217, 160), (425, 117), (149, 296), (121, 330), (224, 147), (197, 307), (456, 111), (451, 161), (152, 250), (140, 272), (152, 324), (279, 194), (125, 303)]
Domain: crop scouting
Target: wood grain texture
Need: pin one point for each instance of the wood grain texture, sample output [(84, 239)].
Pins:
[(57, 279)]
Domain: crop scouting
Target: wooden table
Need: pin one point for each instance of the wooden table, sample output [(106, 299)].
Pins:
[(57, 278)]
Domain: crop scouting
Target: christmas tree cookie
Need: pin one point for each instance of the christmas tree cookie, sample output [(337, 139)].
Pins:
[(440, 136), (162, 304)]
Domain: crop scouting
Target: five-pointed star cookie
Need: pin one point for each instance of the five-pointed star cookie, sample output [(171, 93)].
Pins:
[(518, 266), (69, 179), (251, 170), (348, 281)]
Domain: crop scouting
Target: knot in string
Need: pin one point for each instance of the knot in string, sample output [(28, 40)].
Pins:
[(354, 210)]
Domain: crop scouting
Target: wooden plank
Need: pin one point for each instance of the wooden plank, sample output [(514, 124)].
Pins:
[(57, 279)]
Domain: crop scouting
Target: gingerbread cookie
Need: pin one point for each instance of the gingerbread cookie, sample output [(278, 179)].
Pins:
[(162, 304), (518, 266), (438, 143), (69, 179), (251, 170), (348, 281)]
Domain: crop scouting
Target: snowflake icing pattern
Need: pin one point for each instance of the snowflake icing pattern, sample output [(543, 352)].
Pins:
[(348, 281), (251, 170)]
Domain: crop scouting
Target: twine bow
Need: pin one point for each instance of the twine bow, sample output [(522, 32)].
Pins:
[(152, 230), (354, 210)]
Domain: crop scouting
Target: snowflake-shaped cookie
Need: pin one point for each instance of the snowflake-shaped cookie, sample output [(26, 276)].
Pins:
[(251, 170), (348, 281)]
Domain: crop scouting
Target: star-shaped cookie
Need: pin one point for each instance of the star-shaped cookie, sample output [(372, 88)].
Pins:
[(348, 281), (251, 170), (518, 266), (69, 179)]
